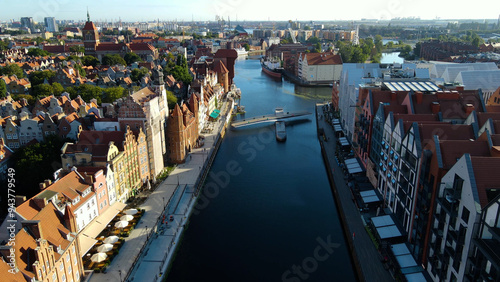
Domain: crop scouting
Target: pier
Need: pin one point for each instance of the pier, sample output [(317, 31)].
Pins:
[(269, 118)]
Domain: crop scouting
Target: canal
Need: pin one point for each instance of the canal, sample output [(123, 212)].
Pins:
[(268, 213)]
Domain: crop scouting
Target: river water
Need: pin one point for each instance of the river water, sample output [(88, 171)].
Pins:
[(267, 212)]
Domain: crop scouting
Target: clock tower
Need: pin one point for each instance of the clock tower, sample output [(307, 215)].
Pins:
[(90, 37)]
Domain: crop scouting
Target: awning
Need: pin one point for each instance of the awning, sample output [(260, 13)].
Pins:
[(215, 114), (390, 231), (369, 196), (343, 141), (337, 128), (92, 230), (353, 166)]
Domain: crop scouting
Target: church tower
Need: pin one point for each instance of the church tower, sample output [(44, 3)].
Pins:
[(176, 150), (90, 37)]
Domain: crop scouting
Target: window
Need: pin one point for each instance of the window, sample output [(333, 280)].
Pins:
[(465, 214), (69, 268), (54, 277), (63, 278), (67, 258), (61, 267), (75, 262)]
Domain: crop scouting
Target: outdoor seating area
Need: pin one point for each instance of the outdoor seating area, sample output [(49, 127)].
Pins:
[(111, 240)]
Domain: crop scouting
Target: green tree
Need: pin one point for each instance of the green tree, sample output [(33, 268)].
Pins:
[(35, 163), (378, 43), (111, 94), (37, 52), (31, 100), (313, 40), (77, 49), (89, 60), (3, 88), (138, 74), (246, 46), (57, 88), (131, 58), (80, 70), (171, 99), (42, 90), (12, 69), (113, 59), (38, 77)]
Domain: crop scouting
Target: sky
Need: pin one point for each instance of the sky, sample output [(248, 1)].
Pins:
[(258, 10)]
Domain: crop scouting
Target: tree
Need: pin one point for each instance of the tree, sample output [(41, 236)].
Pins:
[(31, 100), (138, 74), (35, 163), (90, 61), (3, 88), (77, 49), (113, 59), (38, 77), (131, 58), (57, 88), (171, 99), (111, 94), (378, 43), (313, 40), (42, 90), (37, 52), (80, 70), (12, 69), (246, 46)]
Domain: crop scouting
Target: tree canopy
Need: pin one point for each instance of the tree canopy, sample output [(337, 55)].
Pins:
[(35, 163), (3, 88), (113, 59), (131, 58), (89, 60), (12, 69), (111, 94), (38, 77), (171, 99), (37, 52), (138, 74)]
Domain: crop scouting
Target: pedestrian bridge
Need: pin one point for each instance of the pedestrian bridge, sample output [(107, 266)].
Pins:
[(270, 118)]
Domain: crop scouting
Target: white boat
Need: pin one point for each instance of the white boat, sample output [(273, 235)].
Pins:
[(241, 52), (280, 131)]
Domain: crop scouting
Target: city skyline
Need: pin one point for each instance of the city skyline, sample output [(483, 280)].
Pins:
[(239, 10)]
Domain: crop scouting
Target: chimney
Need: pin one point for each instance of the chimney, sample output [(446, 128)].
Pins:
[(42, 186), (435, 107), (48, 182), (88, 178), (34, 227), (469, 108), (7, 252), (40, 202), (419, 96), (393, 96)]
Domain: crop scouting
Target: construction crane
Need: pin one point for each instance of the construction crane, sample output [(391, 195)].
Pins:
[(292, 35)]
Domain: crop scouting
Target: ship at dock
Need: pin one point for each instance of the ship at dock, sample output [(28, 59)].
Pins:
[(272, 68)]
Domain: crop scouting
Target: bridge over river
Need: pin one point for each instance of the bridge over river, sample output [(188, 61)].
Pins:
[(270, 118)]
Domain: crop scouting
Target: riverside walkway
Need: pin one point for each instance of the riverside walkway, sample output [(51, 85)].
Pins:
[(148, 250), (366, 258)]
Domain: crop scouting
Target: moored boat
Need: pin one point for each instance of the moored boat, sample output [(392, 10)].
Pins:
[(280, 131), (272, 69)]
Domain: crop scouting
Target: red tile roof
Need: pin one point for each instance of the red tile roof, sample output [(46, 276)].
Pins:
[(327, 58)]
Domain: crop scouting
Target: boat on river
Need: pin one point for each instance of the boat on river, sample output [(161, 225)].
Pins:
[(272, 68), (280, 131)]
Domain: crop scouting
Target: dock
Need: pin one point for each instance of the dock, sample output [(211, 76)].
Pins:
[(269, 118)]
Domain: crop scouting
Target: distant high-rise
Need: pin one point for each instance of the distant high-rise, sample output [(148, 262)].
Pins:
[(28, 23), (50, 24)]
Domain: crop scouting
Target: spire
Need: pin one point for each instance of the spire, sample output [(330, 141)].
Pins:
[(88, 16)]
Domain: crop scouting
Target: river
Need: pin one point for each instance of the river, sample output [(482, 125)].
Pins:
[(268, 213)]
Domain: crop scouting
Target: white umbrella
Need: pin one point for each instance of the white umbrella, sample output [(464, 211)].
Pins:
[(131, 211), (121, 224), (105, 248), (111, 239), (126, 217), (98, 257)]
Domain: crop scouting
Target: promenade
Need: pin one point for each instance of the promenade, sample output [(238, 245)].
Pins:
[(148, 250), (366, 258)]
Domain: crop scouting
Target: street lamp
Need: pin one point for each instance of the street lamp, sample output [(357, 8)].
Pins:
[(120, 273)]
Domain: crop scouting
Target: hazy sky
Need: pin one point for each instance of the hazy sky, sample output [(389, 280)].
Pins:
[(277, 10)]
